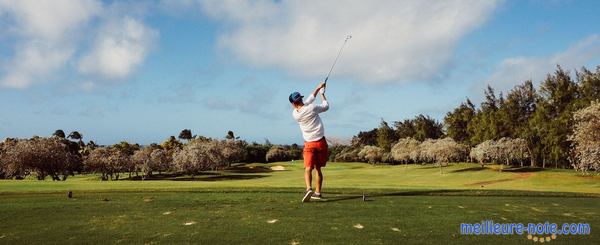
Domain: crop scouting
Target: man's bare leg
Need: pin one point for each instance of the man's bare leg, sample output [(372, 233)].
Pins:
[(319, 180), (308, 177)]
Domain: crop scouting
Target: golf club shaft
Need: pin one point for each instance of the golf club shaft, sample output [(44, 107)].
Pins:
[(336, 58)]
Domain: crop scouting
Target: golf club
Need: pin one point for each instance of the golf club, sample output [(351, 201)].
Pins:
[(336, 59)]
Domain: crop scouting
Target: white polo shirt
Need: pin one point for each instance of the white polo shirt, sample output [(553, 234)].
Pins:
[(308, 119)]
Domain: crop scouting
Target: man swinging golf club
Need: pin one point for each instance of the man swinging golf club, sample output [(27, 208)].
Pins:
[(315, 146)]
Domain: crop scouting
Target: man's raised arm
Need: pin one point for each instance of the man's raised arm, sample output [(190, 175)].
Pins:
[(313, 95)]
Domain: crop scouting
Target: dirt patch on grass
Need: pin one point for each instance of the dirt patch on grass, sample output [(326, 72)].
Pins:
[(278, 168), (490, 182)]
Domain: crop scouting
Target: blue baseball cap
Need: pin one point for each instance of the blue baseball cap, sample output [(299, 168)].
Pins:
[(295, 97)]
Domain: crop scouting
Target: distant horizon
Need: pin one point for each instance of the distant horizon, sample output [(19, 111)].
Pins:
[(143, 71)]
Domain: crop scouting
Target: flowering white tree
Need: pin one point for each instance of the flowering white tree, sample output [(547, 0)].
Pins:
[(161, 160), (401, 150), (519, 150), (277, 153), (586, 139), (427, 151), (199, 155), (371, 154), (484, 152), (43, 156), (110, 162)]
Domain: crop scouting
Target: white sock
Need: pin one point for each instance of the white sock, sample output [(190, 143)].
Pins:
[(317, 193)]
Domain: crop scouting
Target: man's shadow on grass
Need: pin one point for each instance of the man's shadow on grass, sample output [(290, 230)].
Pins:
[(369, 197)]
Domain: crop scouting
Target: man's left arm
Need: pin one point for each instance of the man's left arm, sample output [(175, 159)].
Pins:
[(324, 106)]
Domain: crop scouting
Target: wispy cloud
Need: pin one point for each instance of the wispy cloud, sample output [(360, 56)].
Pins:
[(515, 70)]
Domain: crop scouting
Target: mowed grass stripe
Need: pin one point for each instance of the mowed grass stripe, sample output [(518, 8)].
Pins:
[(338, 175)]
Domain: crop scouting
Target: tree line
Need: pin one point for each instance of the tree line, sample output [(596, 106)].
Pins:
[(60, 156), (556, 125), (539, 125)]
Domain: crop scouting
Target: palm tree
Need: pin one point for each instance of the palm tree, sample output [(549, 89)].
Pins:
[(230, 135), (59, 133)]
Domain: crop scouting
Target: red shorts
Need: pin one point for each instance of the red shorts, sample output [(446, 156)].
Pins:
[(315, 153)]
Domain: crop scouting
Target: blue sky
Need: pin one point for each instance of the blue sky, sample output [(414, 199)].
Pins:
[(142, 71)]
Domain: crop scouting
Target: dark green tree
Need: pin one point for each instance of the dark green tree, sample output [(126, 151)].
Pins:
[(427, 128), (185, 134), (457, 122), (365, 138), (404, 129), (385, 136)]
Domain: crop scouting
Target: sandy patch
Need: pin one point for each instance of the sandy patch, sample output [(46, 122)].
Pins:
[(272, 221), (358, 226), (148, 199), (277, 168), (190, 223)]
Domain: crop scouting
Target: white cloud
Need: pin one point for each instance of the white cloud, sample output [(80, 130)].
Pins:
[(393, 41), (53, 35), (515, 70), (120, 46), (45, 31)]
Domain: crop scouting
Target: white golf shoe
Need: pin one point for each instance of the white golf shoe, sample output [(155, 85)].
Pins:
[(308, 195)]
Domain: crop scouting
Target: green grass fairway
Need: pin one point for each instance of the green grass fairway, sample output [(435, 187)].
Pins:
[(251, 204)]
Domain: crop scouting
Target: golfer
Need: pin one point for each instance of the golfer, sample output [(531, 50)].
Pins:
[(315, 147)]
